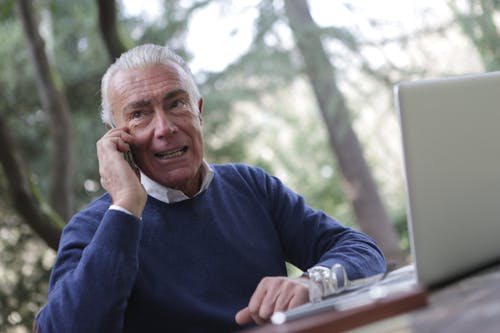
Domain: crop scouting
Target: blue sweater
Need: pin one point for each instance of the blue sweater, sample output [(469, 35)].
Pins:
[(190, 266)]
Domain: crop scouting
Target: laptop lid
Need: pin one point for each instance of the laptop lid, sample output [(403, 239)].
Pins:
[(451, 144)]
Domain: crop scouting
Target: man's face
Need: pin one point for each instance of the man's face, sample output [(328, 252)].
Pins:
[(155, 104)]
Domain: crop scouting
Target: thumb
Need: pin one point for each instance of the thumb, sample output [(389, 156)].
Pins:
[(243, 316)]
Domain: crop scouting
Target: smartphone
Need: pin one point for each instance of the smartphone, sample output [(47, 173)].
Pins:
[(129, 158)]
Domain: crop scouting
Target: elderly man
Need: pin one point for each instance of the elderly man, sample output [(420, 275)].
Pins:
[(177, 244)]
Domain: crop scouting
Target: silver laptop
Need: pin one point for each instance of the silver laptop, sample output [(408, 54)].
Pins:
[(451, 142), (450, 129)]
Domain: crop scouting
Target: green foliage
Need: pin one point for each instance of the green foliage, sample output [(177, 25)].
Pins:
[(478, 20), (24, 272), (400, 222), (6, 9), (78, 53)]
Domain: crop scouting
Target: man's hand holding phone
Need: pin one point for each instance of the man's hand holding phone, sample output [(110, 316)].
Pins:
[(118, 176)]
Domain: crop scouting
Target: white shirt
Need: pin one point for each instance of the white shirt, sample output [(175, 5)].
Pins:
[(167, 194), (170, 195)]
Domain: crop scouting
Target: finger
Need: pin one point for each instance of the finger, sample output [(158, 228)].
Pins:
[(284, 298), (254, 308), (243, 316), (258, 320), (258, 296), (300, 294), (268, 304), (257, 299), (112, 164), (291, 293), (122, 145), (126, 140), (117, 140), (123, 132), (284, 294), (298, 299)]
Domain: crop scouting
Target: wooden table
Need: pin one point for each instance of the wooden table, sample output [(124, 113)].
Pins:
[(470, 305)]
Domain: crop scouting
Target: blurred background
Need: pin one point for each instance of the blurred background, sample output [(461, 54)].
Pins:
[(301, 88)]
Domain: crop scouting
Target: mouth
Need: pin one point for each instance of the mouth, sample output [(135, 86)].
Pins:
[(172, 153)]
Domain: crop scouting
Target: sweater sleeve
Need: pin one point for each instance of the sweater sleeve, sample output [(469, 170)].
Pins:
[(310, 237), (93, 275)]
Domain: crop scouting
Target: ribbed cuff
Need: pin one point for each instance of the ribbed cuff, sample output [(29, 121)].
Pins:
[(119, 230)]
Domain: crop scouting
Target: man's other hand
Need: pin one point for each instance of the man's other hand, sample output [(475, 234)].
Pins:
[(273, 294)]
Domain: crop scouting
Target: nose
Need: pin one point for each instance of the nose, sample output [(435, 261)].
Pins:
[(164, 126)]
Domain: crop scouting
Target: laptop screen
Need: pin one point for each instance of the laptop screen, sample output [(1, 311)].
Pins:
[(450, 130)]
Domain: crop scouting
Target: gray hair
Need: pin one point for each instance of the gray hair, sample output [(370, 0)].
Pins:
[(143, 56)]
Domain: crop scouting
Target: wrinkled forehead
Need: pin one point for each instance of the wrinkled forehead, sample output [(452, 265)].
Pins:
[(148, 77), (144, 83)]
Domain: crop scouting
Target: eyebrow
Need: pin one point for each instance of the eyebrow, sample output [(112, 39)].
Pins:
[(137, 105), (147, 102), (175, 93)]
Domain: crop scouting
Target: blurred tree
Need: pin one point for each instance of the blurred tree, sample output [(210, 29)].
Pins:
[(109, 29), (51, 92), (478, 20), (359, 185), (26, 199), (26, 142)]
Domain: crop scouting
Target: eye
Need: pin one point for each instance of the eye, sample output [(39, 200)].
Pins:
[(178, 104), (136, 114)]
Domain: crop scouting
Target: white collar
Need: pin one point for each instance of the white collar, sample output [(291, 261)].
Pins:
[(170, 195)]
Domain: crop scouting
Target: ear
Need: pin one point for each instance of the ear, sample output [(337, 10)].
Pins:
[(200, 105), (200, 109)]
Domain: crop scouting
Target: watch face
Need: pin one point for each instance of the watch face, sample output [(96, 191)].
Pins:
[(330, 281), (318, 273)]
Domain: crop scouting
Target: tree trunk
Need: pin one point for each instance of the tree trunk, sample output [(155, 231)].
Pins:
[(54, 102), (48, 226), (359, 186), (109, 29)]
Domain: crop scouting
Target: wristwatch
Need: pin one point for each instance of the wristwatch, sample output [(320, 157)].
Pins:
[(325, 281)]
